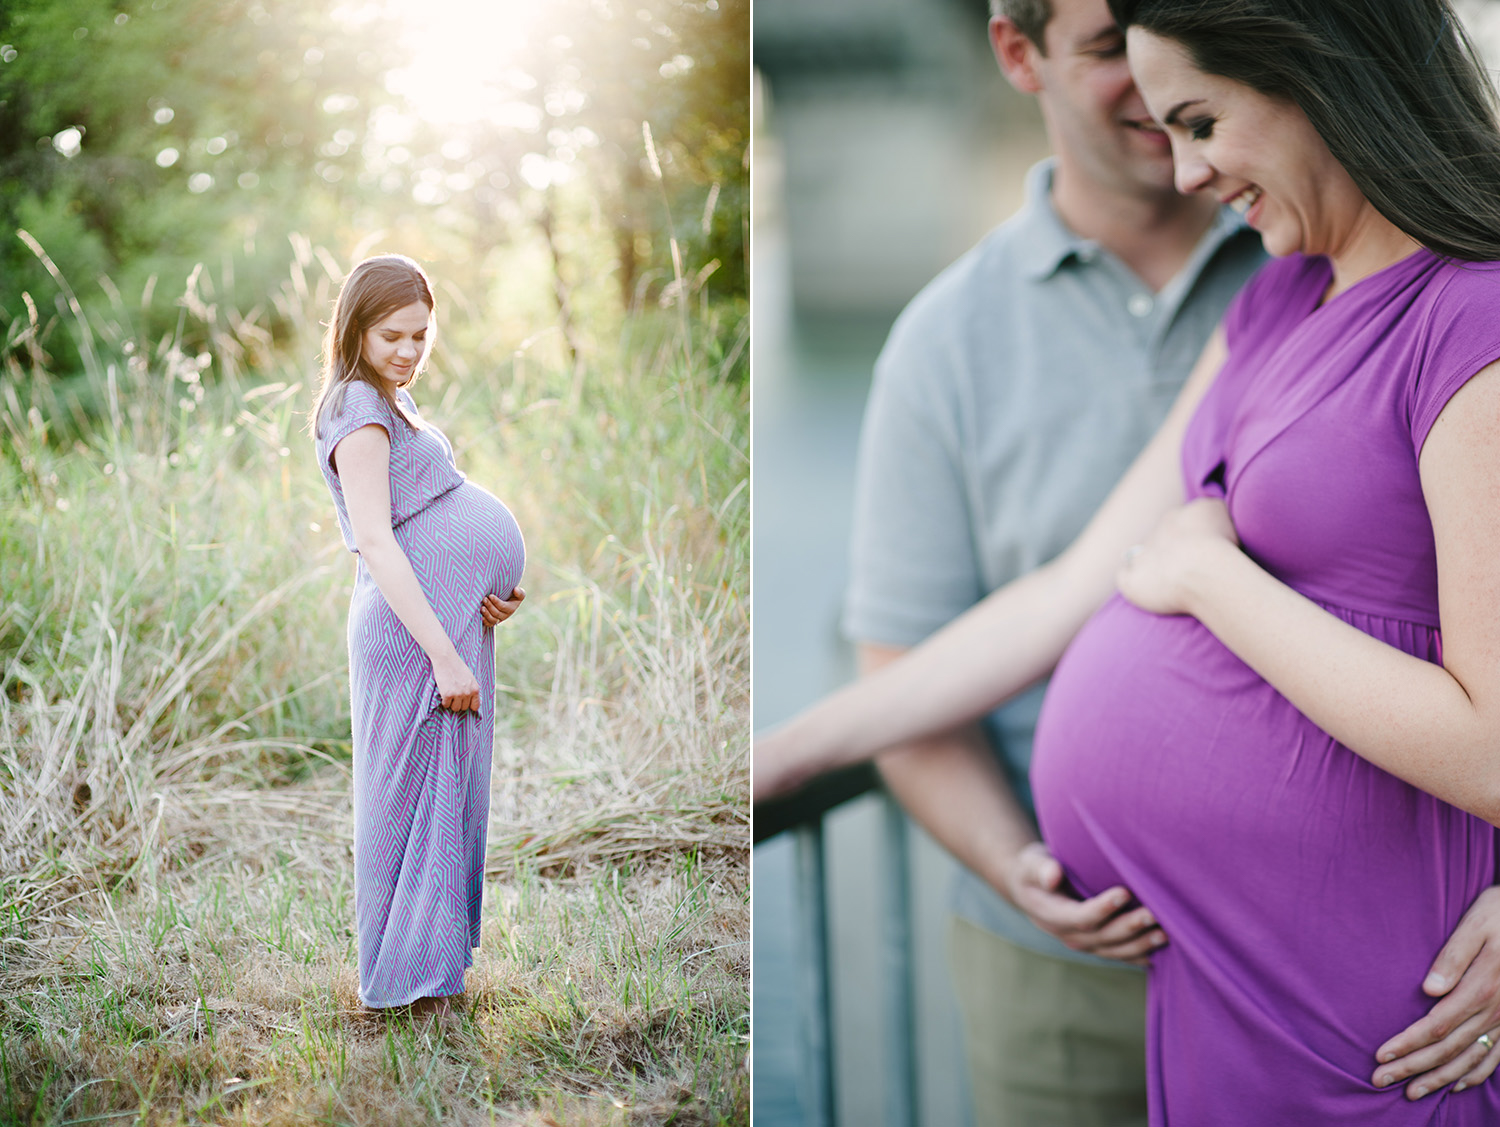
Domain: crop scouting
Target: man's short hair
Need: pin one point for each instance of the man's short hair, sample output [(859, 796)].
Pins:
[(1030, 16)]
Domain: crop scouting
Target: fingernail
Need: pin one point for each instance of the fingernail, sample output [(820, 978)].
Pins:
[(1434, 982), (1148, 920), (1460, 1086), (1417, 1093), (1387, 1056)]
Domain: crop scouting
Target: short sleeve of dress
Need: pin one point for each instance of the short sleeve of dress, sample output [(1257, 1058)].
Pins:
[(1462, 338), (362, 406)]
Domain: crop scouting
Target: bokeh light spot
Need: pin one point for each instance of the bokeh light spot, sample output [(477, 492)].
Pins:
[(69, 142)]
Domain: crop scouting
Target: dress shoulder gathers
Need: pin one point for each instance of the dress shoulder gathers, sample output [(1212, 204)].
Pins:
[(1441, 310)]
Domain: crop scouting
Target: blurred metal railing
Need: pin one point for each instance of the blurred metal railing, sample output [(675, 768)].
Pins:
[(802, 815)]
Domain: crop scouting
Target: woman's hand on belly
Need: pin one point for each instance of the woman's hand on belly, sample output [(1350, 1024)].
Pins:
[(1159, 574), (1104, 925), (493, 610)]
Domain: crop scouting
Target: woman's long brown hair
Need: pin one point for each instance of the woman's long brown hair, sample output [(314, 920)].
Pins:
[(374, 289)]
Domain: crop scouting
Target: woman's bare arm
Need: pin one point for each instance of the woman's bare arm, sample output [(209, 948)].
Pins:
[(363, 461), (1000, 646), (1435, 726)]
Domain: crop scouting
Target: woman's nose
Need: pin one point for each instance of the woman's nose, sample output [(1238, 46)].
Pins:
[(1193, 175)]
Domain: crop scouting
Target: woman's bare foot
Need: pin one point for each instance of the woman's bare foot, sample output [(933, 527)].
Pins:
[(439, 1010)]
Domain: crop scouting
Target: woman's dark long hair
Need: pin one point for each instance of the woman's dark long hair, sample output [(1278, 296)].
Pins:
[(1394, 88), (374, 289)]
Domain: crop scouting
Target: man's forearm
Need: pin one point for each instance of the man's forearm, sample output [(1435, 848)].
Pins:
[(953, 788)]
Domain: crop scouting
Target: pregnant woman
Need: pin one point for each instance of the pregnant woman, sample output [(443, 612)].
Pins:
[(439, 560), (1283, 731)]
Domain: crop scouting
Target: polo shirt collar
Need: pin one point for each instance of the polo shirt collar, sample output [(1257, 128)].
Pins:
[(1046, 242)]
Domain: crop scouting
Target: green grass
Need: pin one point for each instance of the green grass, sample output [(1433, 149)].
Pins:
[(176, 916)]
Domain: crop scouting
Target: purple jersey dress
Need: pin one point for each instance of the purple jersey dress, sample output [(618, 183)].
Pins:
[(1305, 891), (421, 771)]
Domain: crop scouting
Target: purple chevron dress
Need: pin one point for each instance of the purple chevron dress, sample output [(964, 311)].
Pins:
[(421, 771), (1304, 890)]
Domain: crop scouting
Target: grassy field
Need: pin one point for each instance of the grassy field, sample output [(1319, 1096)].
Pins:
[(176, 904)]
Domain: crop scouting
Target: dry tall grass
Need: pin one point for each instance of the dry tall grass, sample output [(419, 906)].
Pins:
[(175, 830)]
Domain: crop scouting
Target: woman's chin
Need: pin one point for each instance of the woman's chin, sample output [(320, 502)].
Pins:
[(1279, 243)]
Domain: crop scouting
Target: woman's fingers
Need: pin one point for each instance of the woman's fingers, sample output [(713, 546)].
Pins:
[(1484, 1069), (1469, 1052), (495, 610), (1443, 1045), (465, 698), (1475, 1058), (491, 613)]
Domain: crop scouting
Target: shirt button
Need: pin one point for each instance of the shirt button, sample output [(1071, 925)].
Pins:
[(1140, 305)]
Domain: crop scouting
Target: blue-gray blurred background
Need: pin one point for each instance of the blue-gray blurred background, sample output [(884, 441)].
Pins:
[(886, 143)]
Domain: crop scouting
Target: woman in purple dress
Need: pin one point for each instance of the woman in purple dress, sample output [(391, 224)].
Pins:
[(439, 562), (1282, 731)]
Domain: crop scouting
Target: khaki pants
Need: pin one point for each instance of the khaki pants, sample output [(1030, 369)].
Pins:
[(1051, 1043)]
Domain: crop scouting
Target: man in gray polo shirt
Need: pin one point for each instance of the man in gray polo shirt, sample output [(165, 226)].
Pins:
[(1012, 394)]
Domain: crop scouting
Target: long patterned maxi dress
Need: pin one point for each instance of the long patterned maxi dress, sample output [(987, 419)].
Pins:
[(421, 771)]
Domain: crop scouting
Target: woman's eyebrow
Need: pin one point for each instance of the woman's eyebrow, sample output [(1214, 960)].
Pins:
[(1171, 117)]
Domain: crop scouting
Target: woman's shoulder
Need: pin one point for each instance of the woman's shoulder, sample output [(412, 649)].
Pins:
[(1457, 335), (1461, 299), (360, 396), (1467, 282), (354, 405)]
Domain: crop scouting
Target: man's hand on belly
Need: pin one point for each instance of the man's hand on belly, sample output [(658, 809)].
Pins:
[(1104, 925)]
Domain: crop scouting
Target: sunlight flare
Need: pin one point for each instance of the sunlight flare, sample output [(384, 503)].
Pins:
[(465, 59)]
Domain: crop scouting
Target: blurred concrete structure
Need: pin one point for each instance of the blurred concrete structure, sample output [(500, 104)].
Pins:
[(886, 144), (899, 139)]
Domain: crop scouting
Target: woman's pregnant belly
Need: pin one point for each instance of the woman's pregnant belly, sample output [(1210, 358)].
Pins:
[(1308, 887), (1131, 745), (463, 546)]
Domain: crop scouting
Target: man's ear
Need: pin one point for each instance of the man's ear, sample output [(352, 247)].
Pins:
[(1016, 55)]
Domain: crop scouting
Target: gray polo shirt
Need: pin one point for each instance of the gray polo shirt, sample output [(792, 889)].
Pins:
[(1012, 394)]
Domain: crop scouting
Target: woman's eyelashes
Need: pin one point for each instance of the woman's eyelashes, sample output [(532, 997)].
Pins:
[(1200, 128)]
